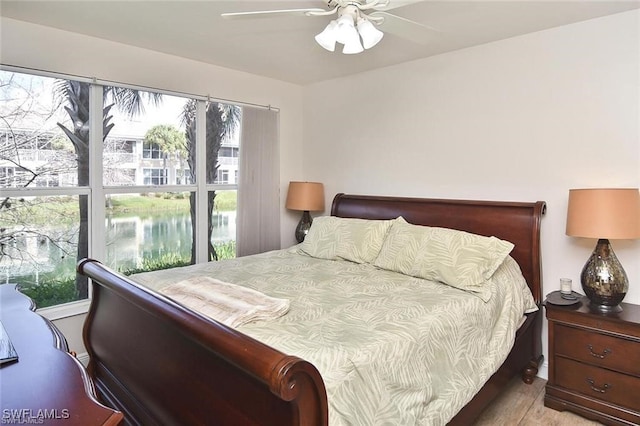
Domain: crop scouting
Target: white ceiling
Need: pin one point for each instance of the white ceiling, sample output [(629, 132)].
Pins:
[(283, 47)]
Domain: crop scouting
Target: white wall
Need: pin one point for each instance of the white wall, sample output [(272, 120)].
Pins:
[(522, 119), (44, 48)]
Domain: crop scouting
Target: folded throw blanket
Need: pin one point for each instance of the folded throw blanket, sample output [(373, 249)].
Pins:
[(230, 304)]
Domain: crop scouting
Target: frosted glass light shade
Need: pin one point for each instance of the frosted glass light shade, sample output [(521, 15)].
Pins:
[(327, 38), (369, 33), (346, 29), (353, 45)]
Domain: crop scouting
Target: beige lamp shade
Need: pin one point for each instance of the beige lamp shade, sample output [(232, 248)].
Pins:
[(611, 213), (305, 196)]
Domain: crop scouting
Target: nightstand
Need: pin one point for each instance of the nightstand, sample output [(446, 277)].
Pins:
[(594, 362)]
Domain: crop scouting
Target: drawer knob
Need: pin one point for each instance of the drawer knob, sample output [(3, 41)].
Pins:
[(597, 355), (593, 386)]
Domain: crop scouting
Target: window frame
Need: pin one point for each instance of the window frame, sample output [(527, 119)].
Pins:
[(97, 191)]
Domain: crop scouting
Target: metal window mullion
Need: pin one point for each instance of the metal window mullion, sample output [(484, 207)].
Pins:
[(202, 221), (97, 208)]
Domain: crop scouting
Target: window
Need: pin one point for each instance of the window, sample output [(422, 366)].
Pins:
[(148, 231), (145, 192), (43, 231), (127, 146), (183, 177), (155, 176), (6, 177), (222, 223), (152, 150), (222, 177), (229, 151)]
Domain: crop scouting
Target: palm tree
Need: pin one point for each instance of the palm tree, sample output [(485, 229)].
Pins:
[(76, 95), (222, 120)]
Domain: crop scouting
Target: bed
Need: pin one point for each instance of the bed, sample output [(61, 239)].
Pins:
[(161, 363)]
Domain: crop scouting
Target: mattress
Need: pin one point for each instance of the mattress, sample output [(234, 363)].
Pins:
[(391, 348)]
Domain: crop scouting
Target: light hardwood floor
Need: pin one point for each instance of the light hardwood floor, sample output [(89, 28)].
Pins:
[(523, 405)]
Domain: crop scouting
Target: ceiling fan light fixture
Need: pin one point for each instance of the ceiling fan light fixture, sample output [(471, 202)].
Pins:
[(327, 38), (353, 46), (369, 33), (346, 29), (356, 20), (351, 40)]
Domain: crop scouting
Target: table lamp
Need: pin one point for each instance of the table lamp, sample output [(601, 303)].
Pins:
[(305, 197), (604, 214)]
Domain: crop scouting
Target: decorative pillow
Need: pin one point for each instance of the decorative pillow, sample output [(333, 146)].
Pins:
[(334, 238), (457, 258)]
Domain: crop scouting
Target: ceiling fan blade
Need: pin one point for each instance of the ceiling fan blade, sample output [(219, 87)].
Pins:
[(272, 13), (394, 4), (406, 28)]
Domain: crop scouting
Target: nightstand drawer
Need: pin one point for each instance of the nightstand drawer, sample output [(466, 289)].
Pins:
[(599, 383), (598, 349)]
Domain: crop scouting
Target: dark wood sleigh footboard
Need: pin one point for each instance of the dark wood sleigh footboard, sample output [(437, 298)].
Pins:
[(161, 363)]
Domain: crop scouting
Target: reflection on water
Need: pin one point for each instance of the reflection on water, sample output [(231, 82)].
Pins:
[(131, 239), (34, 257), (128, 241)]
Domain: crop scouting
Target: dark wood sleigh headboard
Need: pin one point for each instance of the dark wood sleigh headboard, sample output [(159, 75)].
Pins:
[(516, 222), (161, 363)]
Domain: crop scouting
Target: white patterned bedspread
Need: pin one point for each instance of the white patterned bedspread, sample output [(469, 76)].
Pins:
[(391, 349)]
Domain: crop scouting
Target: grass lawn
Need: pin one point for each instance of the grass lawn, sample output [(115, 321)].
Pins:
[(224, 201)]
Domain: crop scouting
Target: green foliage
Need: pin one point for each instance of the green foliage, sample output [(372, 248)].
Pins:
[(153, 203), (61, 143), (225, 250), (51, 293), (39, 211), (65, 209), (167, 261), (226, 201), (168, 138)]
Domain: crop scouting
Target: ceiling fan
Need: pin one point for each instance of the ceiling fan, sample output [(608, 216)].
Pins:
[(356, 20)]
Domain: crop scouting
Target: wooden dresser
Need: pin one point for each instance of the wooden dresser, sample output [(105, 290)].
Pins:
[(47, 385), (594, 362)]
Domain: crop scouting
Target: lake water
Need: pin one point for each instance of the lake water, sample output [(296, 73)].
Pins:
[(152, 237), (129, 240)]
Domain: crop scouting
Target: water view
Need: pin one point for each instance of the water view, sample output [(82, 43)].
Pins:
[(150, 237), (134, 242)]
